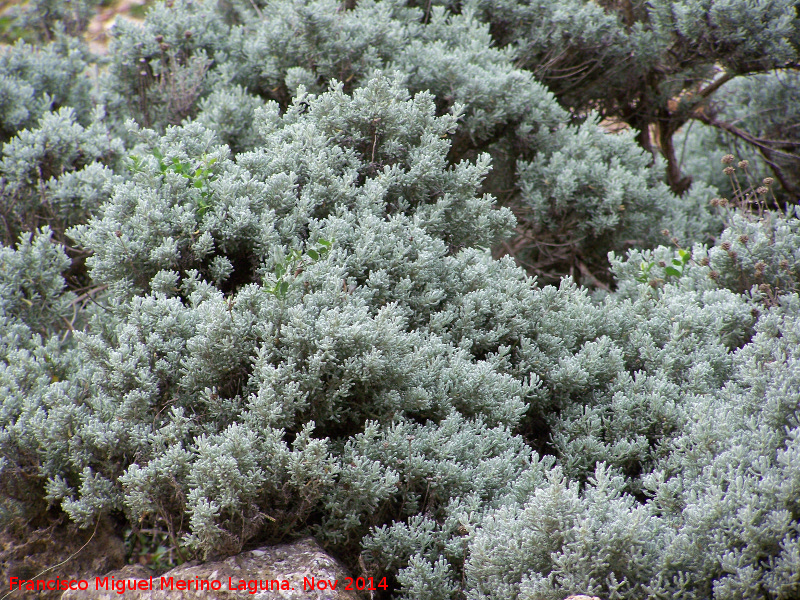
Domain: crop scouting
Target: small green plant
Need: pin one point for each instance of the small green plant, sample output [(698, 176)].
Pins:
[(644, 273), (277, 283), (200, 177), (678, 266)]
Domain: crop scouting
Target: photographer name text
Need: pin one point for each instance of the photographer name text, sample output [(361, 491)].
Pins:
[(250, 586)]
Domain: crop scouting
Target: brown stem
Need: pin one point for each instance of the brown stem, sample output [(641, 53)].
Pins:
[(676, 182), (590, 276)]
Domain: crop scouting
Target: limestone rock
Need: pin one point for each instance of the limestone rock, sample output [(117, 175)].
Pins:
[(255, 574)]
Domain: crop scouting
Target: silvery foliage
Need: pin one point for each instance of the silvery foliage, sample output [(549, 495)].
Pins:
[(37, 79), (36, 364), (230, 111), (544, 159), (158, 72), (716, 442), (56, 172), (44, 20), (241, 380), (757, 255), (199, 376), (587, 191), (57, 148), (661, 65), (376, 397), (763, 105)]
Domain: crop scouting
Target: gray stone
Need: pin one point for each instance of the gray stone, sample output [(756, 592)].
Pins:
[(291, 568)]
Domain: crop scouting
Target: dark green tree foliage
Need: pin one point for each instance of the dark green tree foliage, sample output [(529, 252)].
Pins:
[(274, 309), (652, 65)]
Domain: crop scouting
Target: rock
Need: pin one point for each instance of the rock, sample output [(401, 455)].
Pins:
[(255, 574)]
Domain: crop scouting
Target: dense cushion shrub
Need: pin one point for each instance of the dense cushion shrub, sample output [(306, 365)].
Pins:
[(304, 267)]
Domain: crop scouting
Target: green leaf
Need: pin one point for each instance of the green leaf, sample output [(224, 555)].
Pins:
[(677, 262), (672, 271), (313, 254), (284, 287), (325, 243), (279, 270)]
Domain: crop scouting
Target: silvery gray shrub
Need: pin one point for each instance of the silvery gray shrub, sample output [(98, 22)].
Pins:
[(274, 310)]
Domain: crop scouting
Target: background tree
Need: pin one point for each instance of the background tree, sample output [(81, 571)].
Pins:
[(656, 66)]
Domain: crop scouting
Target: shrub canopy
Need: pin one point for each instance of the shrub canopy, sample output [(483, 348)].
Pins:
[(380, 272)]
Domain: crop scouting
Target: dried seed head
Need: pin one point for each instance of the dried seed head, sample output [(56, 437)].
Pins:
[(704, 261), (723, 202), (761, 190), (653, 283), (674, 240), (743, 239), (743, 164), (784, 264), (665, 232), (768, 181), (728, 159), (662, 264), (728, 170), (760, 266), (714, 202), (764, 287), (725, 246), (159, 38), (164, 46), (733, 255), (187, 34), (714, 275)]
